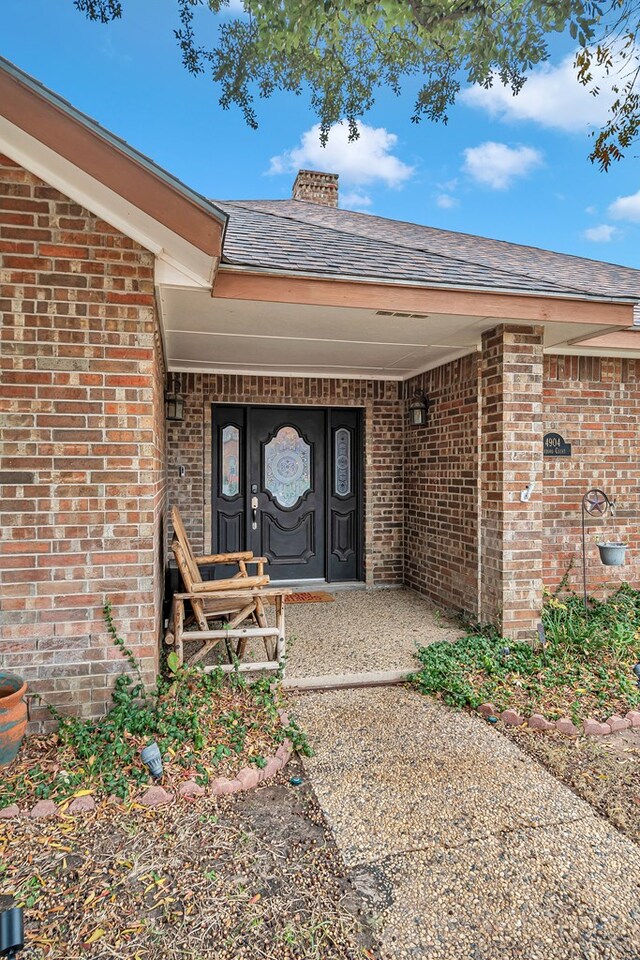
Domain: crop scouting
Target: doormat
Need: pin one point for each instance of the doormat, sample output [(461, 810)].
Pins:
[(320, 596)]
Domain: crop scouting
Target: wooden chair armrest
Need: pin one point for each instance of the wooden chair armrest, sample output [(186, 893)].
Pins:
[(239, 593), (215, 586), (212, 558)]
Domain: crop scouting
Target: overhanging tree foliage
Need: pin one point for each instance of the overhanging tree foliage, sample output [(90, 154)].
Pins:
[(344, 51)]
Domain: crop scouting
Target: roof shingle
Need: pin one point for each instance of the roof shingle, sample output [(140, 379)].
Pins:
[(298, 236)]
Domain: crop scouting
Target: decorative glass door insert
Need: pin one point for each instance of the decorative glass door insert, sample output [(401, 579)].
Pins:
[(287, 467), (342, 478), (230, 461)]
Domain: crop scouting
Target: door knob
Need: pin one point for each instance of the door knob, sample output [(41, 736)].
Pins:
[(254, 513)]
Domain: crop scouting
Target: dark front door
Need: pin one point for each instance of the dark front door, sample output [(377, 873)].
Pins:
[(287, 466), (286, 486)]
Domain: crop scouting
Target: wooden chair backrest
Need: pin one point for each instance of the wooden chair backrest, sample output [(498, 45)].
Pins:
[(185, 572), (188, 558)]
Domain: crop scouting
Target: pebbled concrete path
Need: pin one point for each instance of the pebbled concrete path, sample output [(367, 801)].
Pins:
[(464, 847), (362, 631)]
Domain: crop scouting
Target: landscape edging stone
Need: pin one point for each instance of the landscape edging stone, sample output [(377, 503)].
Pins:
[(246, 779), (590, 727)]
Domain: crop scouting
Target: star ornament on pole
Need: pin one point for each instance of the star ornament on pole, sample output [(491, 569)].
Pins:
[(596, 503)]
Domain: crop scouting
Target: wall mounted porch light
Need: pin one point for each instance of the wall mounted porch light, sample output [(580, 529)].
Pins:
[(418, 409), (173, 401)]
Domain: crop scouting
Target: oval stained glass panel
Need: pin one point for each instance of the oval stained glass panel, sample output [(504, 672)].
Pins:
[(230, 461), (342, 480), (287, 467)]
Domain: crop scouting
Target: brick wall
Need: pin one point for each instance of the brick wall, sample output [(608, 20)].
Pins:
[(189, 443), (594, 403), (441, 485), (511, 373), (81, 475)]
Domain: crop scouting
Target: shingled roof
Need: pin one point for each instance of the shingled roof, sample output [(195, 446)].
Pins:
[(301, 237)]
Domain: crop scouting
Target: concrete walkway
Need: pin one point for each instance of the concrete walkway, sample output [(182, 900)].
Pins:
[(465, 848)]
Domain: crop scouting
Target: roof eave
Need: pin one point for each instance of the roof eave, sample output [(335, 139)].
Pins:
[(53, 122), (567, 294)]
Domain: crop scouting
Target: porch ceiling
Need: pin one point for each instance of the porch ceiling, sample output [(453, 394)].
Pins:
[(246, 336)]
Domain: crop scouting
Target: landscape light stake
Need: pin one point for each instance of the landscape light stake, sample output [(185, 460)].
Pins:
[(152, 759), (542, 640), (11, 933)]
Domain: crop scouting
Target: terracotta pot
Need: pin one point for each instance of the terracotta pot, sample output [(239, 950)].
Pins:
[(13, 716)]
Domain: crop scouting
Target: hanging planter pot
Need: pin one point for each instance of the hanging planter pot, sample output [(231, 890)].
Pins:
[(612, 554), (13, 716)]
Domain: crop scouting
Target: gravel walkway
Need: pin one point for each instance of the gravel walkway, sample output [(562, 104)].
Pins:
[(363, 631), (464, 847)]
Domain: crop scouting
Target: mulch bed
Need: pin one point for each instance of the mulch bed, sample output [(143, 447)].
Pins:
[(236, 728), (603, 771), (254, 876)]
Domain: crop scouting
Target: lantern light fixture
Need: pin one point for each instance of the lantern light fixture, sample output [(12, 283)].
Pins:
[(418, 409), (174, 402)]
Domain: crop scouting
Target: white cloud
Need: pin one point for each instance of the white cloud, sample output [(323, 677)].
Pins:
[(552, 96), (445, 201), (603, 233), (626, 208), (355, 200), (496, 165), (368, 159)]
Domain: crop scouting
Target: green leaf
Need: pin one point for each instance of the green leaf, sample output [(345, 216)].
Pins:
[(173, 662)]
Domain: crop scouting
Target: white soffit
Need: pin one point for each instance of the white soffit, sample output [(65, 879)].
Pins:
[(245, 336), (177, 261)]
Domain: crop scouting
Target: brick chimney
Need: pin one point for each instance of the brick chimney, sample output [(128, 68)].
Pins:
[(315, 187)]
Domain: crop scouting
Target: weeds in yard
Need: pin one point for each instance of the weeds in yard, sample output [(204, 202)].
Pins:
[(584, 670), (202, 723)]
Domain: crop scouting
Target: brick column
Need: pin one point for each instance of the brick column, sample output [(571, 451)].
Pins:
[(511, 374)]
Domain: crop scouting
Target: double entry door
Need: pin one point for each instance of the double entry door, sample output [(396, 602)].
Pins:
[(286, 485)]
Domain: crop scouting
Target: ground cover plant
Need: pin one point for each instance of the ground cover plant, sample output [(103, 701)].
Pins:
[(585, 668), (206, 725)]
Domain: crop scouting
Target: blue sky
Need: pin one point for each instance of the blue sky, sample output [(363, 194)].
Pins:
[(516, 169)]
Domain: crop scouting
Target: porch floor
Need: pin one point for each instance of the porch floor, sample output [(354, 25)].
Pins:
[(361, 632), (362, 637)]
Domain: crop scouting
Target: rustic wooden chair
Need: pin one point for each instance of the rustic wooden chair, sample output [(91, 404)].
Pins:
[(235, 599)]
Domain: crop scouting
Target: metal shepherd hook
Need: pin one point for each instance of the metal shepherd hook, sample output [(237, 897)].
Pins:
[(595, 503)]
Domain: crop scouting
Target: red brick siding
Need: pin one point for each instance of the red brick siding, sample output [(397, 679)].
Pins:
[(189, 444), (81, 470), (441, 487), (594, 403), (510, 458)]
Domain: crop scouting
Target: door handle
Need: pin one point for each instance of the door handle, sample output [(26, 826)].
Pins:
[(254, 513)]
